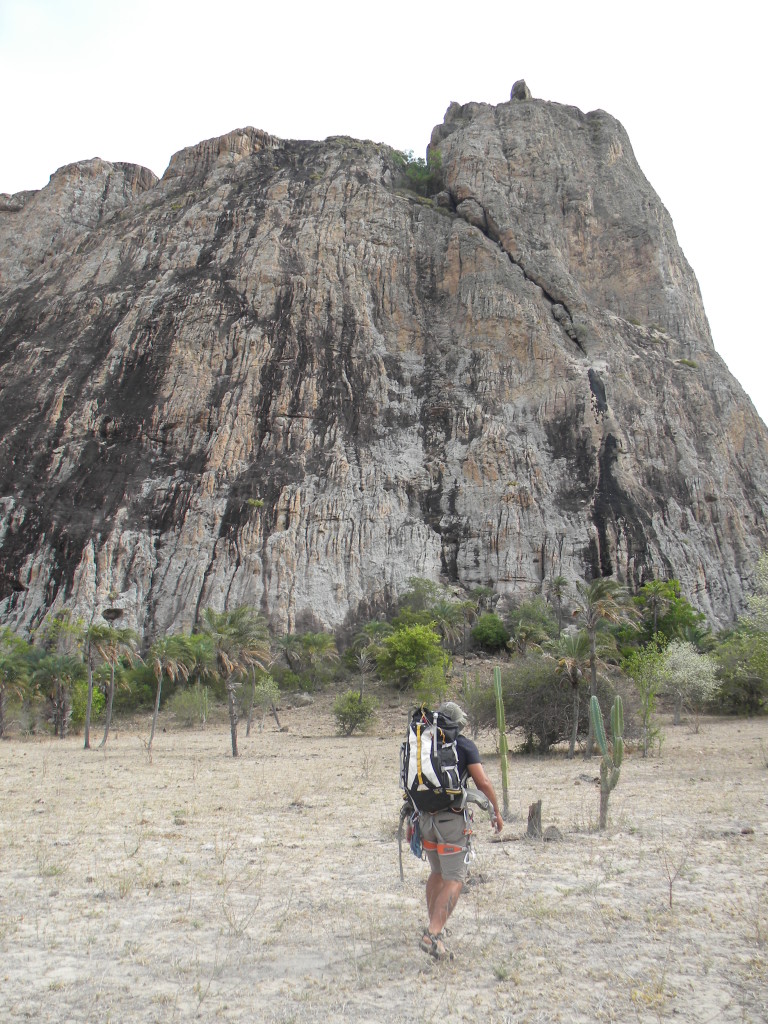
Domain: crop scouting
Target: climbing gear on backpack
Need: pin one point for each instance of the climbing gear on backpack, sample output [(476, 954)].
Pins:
[(429, 762)]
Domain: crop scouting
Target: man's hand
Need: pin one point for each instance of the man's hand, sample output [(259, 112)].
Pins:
[(497, 822)]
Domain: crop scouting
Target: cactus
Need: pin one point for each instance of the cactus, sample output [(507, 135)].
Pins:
[(610, 766), (503, 748)]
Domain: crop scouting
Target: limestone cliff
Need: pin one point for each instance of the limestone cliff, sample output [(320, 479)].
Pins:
[(277, 376)]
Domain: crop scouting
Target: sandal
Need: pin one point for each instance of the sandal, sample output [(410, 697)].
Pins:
[(435, 946)]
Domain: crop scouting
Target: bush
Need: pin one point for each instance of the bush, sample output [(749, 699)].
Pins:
[(490, 632), (353, 711), (539, 703), (80, 703), (424, 177), (190, 707)]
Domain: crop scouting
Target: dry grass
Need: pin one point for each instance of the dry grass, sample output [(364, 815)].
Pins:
[(267, 888)]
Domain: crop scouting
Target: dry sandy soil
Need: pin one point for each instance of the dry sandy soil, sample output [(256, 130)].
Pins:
[(267, 888)]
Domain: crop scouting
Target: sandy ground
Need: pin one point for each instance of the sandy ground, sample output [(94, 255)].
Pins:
[(200, 887)]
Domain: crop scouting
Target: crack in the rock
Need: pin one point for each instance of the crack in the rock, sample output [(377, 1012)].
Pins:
[(565, 322)]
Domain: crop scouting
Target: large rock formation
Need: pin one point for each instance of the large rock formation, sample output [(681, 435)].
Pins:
[(278, 377)]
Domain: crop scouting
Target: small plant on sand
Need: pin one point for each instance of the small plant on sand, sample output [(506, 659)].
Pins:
[(610, 765), (353, 711)]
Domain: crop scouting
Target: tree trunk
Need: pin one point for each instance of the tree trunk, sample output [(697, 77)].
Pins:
[(274, 712), (534, 821), (604, 794), (232, 715), (592, 691), (110, 698), (252, 707), (575, 725), (154, 714), (89, 702), (2, 710)]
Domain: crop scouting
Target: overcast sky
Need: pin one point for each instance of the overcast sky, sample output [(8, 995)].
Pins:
[(138, 81)]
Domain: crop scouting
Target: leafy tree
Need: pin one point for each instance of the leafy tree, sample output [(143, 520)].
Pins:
[(266, 694), (404, 654), (421, 595), (490, 632), (742, 655), (689, 678), (571, 651), (645, 667), (239, 639), (424, 177), (600, 602), (14, 671)]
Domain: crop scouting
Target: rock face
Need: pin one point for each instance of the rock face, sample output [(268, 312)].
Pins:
[(277, 377)]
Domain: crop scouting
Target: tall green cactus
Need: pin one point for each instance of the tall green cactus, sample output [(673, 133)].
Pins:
[(610, 766), (503, 747)]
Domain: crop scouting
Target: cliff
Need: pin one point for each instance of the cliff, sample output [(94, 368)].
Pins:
[(277, 376)]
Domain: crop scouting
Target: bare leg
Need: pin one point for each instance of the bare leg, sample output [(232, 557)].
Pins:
[(442, 897)]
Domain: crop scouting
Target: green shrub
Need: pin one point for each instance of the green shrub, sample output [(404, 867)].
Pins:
[(490, 632), (80, 703), (191, 706), (353, 711), (424, 177)]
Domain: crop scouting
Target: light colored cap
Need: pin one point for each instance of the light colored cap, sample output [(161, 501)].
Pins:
[(453, 713)]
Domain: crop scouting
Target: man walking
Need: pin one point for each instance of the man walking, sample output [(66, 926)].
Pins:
[(445, 838)]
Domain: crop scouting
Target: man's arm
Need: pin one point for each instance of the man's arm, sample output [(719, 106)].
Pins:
[(484, 784)]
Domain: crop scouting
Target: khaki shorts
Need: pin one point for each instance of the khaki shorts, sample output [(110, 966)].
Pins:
[(447, 831)]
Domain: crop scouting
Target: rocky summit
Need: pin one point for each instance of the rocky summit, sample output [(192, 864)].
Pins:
[(296, 374)]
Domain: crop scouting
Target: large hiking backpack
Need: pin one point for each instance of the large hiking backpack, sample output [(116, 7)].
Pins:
[(429, 762)]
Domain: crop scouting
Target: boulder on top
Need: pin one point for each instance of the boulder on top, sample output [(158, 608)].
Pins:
[(520, 91)]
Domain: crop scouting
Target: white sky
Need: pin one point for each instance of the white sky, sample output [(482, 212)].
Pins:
[(139, 80)]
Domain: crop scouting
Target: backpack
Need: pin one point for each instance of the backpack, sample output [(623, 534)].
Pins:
[(429, 762)]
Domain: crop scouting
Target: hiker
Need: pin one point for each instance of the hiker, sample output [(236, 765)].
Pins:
[(445, 838)]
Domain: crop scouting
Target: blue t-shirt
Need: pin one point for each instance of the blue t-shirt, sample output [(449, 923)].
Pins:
[(467, 754)]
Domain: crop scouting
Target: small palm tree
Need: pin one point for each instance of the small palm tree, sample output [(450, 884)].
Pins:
[(600, 602), (115, 645), (449, 619), (240, 640), (318, 649), (56, 674), (572, 653), (168, 656), (556, 588)]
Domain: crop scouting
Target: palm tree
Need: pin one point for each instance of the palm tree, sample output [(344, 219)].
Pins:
[(168, 656), (317, 649), (114, 645), (599, 602), (240, 640), (656, 596), (572, 652), (449, 618), (57, 673), (556, 588)]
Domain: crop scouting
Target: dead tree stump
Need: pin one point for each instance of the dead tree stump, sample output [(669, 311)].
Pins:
[(534, 821)]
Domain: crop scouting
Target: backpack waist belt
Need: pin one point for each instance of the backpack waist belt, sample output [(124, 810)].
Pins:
[(442, 848)]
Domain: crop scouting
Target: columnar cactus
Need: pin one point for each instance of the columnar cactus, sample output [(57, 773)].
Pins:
[(503, 748), (610, 766)]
